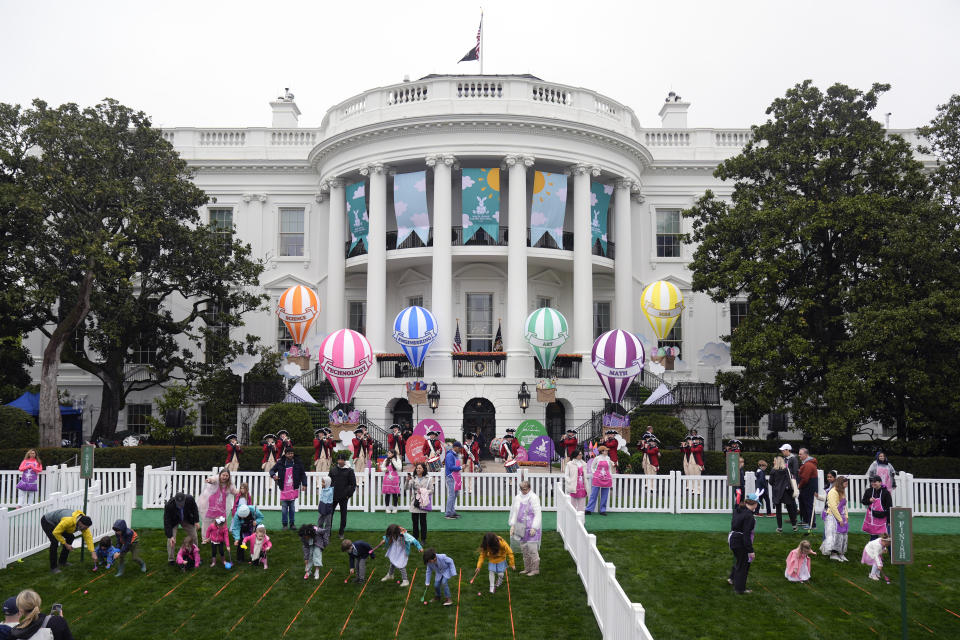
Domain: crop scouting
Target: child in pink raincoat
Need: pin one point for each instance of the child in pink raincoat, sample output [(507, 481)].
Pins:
[(258, 543), (798, 563)]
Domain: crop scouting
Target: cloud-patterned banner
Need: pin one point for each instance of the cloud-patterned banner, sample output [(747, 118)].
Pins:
[(357, 214), (410, 205), (549, 206), (599, 204), (481, 202)]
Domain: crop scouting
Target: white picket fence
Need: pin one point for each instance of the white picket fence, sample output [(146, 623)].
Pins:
[(668, 493), (65, 480), (20, 532), (617, 617)]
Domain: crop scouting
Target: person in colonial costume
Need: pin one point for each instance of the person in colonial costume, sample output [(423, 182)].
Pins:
[(527, 528), (283, 443), (433, 451), (569, 446), (269, 443), (390, 467), (686, 457), (696, 460), (508, 452), (733, 446), (233, 453), (575, 480), (359, 451), (396, 442), (317, 448), (600, 484), (612, 444), (471, 453)]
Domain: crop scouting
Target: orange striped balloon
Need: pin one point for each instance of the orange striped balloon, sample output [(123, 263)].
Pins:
[(298, 308)]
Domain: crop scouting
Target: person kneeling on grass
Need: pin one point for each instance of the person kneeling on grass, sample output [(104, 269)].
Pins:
[(189, 555), (314, 540), (497, 552), (105, 553), (258, 543), (443, 569), (359, 552), (398, 543), (798, 563)]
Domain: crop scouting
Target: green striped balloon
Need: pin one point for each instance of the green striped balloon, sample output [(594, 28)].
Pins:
[(546, 331)]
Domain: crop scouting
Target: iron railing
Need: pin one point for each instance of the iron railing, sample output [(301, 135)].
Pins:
[(397, 366), (479, 365), (481, 238), (564, 366)]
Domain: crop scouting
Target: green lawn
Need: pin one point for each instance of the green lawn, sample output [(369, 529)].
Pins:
[(681, 580), (249, 602)]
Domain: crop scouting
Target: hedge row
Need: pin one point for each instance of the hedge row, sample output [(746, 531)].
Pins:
[(715, 463)]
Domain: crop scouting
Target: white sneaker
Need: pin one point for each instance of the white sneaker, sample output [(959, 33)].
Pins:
[(316, 574), (405, 583), (836, 557), (844, 559), (873, 577), (386, 577)]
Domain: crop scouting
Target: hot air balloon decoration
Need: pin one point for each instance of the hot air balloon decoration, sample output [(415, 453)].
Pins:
[(617, 357), (662, 304), (298, 308), (546, 331), (345, 357), (415, 329)]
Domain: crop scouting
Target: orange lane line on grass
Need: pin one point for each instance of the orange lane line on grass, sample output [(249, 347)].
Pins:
[(807, 619), (951, 612), (347, 621), (194, 614), (872, 629), (80, 616), (844, 610), (402, 611), (510, 604), (262, 596), (176, 587), (924, 626), (102, 575), (133, 618), (306, 603), (764, 587), (456, 619), (855, 585)]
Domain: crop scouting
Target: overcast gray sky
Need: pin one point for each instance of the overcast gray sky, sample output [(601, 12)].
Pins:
[(205, 63)]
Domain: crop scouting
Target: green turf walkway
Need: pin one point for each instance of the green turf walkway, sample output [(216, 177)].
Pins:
[(497, 520)]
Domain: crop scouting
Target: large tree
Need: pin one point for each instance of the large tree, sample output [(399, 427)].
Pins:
[(120, 257), (848, 266)]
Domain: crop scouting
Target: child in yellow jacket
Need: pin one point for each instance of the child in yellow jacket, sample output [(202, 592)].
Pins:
[(497, 552)]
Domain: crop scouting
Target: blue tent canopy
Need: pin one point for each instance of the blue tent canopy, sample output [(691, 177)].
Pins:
[(30, 402)]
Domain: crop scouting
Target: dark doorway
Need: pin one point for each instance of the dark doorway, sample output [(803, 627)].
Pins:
[(556, 421), (479, 416), (403, 413)]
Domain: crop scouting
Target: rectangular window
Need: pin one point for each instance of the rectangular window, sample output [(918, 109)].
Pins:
[(144, 350), (78, 339), (284, 339), (358, 316), (415, 301), (675, 337), (668, 233), (206, 426), (137, 417), (479, 322), (291, 232), (219, 329), (745, 425), (544, 303), (601, 318), (221, 221), (738, 311)]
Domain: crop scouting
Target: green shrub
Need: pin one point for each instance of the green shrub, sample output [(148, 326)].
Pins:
[(285, 415), (17, 428)]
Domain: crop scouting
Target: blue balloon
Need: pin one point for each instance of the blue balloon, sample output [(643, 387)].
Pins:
[(415, 329)]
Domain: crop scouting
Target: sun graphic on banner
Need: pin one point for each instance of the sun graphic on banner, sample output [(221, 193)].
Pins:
[(540, 183), (492, 180)]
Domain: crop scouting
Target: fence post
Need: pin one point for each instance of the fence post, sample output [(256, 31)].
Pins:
[(4, 536), (132, 487), (675, 484)]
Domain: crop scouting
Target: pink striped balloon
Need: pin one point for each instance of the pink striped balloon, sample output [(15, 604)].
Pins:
[(617, 358), (345, 357)]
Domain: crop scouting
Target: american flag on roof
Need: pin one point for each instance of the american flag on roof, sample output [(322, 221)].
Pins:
[(474, 53), (457, 343)]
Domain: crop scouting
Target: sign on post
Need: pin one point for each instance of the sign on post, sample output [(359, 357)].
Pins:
[(86, 461), (733, 469), (901, 529)]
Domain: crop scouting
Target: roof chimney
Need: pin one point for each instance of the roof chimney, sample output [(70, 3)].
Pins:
[(673, 113), (286, 115)]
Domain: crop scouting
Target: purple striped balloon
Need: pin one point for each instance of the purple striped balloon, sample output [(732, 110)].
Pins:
[(345, 357), (617, 358)]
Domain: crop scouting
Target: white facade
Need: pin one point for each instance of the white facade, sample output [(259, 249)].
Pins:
[(441, 124)]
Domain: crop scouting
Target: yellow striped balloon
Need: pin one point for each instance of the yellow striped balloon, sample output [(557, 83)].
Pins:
[(662, 303)]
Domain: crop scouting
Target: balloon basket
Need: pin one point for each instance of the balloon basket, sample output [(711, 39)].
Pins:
[(546, 396), (301, 361)]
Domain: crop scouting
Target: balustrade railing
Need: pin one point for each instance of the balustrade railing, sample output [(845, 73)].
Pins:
[(396, 365), (479, 365), (564, 366)]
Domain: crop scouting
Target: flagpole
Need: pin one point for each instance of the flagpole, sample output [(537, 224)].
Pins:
[(482, 50)]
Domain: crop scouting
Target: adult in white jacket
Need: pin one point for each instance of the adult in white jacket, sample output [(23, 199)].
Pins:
[(575, 480), (526, 526)]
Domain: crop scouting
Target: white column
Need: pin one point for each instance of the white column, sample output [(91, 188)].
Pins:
[(582, 267), (336, 256), (623, 258), (437, 364), (519, 358), (377, 257)]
